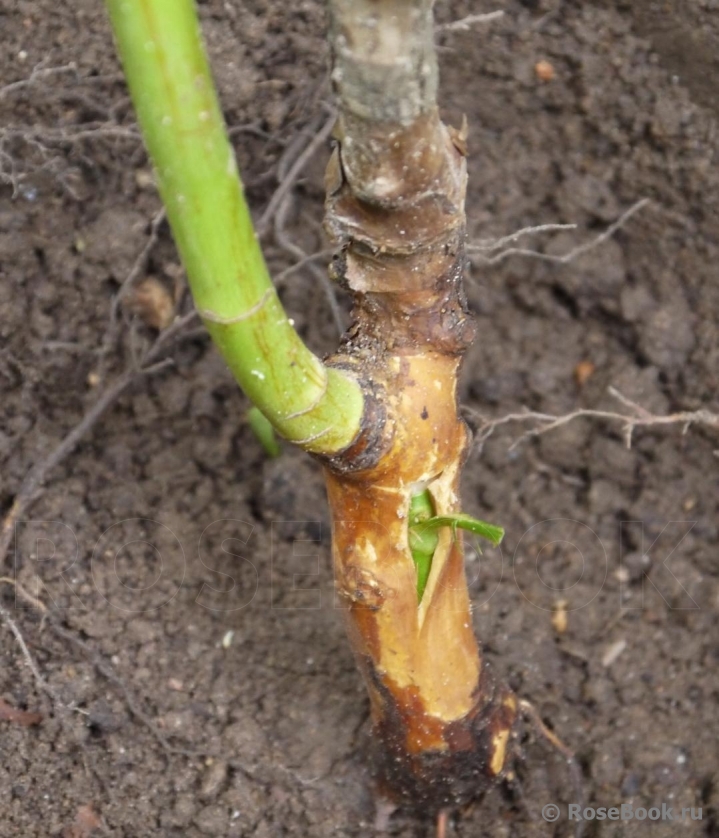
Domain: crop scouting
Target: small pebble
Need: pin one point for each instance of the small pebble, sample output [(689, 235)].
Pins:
[(622, 574), (613, 651), (144, 179), (559, 616), (544, 71), (214, 780), (152, 301), (583, 372)]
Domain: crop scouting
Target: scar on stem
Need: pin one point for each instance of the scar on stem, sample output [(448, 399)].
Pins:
[(213, 317)]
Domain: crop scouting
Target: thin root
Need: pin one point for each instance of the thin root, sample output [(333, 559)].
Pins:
[(530, 711), (466, 23), (284, 241), (29, 659), (639, 418), (24, 594), (107, 672), (31, 487), (442, 821), (288, 182), (478, 250), (100, 665)]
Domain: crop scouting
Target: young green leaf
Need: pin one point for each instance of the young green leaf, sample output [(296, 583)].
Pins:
[(422, 541), (423, 535), (490, 532)]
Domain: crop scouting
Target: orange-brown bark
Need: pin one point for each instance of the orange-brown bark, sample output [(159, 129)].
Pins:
[(395, 203), (440, 721)]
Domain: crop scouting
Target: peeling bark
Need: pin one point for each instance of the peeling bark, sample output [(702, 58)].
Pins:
[(395, 204)]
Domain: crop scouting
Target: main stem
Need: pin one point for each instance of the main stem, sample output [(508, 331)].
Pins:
[(395, 202)]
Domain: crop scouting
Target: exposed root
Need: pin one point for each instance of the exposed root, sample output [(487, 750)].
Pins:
[(136, 271), (301, 263), (31, 488), (29, 659), (479, 250), (289, 171), (638, 418), (98, 663), (26, 596), (442, 821), (40, 73), (530, 711), (288, 180), (42, 144), (466, 23), (488, 245), (108, 673), (44, 149), (297, 253)]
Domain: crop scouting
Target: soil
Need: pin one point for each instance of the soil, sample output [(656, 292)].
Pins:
[(232, 706)]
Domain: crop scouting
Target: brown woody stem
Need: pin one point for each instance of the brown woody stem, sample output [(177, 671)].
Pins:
[(395, 203)]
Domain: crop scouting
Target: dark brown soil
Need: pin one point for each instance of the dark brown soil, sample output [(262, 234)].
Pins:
[(253, 678)]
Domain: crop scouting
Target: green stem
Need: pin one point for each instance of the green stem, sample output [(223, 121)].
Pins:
[(159, 41)]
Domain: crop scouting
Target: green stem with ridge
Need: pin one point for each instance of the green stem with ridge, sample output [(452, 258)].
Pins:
[(159, 41)]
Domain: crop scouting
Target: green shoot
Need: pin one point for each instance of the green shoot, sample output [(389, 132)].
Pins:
[(159, 42), (423, 535), (423, 540), (490, 532), (263, 430)]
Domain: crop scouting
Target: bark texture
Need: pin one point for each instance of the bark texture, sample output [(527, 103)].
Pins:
[(395, 204)]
